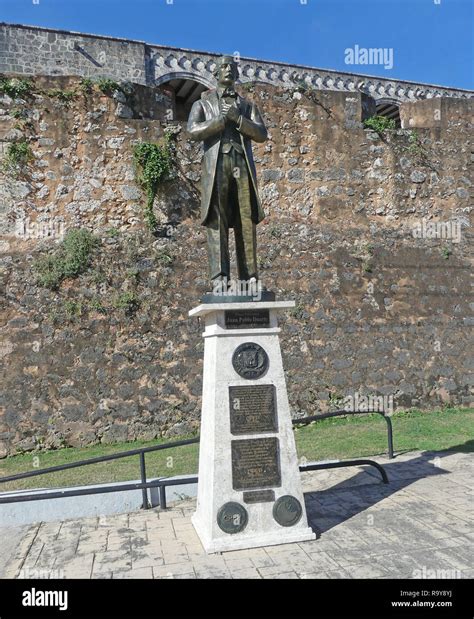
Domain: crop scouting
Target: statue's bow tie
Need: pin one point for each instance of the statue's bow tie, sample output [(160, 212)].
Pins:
[(229, 92)]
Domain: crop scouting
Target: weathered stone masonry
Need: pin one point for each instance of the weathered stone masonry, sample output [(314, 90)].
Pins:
[(379, 311), (31, 50)]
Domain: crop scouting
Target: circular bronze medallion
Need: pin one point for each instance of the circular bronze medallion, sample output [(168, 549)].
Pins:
[(287, 510), (232, 518), (250, 360)]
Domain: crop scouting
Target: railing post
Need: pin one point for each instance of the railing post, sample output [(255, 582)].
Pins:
[(162, 497), (145, 505), (390, 436)]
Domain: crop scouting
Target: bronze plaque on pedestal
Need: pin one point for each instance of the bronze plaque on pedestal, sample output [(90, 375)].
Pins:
[(247, 319), (259, 496), (250, 360), (252, 409), (255, 463)]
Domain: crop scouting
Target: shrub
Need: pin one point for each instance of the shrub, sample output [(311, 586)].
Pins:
[(70, 260), (164, 257), (380, 124), (72, 309), (17, 157), (107, 86), (15, 88), (113, 233), (86, 85), (128, 301), (446, 252), (18, 113), (415, 147), (96, 305), (65, 96)]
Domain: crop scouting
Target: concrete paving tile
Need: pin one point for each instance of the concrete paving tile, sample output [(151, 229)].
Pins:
[(33, 554), (343, 558), (119, 535), (313, 575), (196, 555), (247, 573), (146, 558), (57, 552), (285, 550), (78, 567), (86, 547), (431, 560), (340, 574), (366, 570), (48, 531), (137, 522), (174, 558), (468, 574), (188, 576), (138, 540), (124, 545), (144, 572), (213, 566), (281, 575), (453, 542), (170, 514), (103, 575), (89, 522), (422, 521), (173, 571), (317, 545), (460, 557), (213, 574), (111, 561), (251, 553), (239, 564)]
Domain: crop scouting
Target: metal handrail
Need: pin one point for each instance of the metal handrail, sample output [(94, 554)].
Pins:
[(121, 454), (164, 482), (104, 489), (338, 413), (318, 466), (84, 491)]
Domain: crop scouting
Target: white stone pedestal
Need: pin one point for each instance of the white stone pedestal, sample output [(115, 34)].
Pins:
[(249, 490)]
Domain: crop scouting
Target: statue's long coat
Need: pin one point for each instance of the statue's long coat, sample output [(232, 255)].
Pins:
[(205, 124)]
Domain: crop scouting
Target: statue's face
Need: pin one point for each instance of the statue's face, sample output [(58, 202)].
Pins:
[(227, 73)]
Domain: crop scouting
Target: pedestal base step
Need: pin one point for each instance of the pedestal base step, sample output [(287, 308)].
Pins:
[(241, 541)]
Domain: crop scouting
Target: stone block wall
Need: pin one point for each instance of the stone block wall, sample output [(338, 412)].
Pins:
[(31, 51), (383, 306)]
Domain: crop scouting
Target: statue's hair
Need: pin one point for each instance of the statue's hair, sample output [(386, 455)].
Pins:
[(226, 58)]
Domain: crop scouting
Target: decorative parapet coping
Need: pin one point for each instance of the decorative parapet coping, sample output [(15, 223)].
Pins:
[(183, 63)]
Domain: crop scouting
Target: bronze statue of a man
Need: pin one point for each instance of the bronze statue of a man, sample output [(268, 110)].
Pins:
[(227, 123)]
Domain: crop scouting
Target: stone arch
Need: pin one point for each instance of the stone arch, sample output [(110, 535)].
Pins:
[(389, 108), (186, 88)]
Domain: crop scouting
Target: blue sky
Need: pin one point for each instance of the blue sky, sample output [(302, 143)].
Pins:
[(431, 40)]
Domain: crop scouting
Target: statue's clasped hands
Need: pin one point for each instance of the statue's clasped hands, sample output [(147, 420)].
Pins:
[(230, 111)]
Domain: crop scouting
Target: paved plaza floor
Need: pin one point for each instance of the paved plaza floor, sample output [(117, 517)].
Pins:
[(417, 526)]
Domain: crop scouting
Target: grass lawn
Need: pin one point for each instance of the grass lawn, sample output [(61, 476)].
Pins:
[(344, 438)]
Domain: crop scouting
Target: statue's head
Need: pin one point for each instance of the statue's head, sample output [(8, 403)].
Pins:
[(227, 71)]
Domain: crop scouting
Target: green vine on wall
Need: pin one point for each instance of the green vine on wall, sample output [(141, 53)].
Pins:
[(17, 158), (416, 150), (153, 163), (380, 124)]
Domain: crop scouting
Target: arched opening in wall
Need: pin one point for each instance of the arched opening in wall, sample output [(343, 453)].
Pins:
[(389, 109), (185, 91)]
